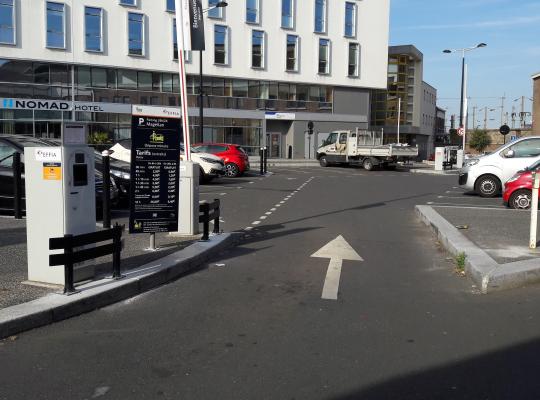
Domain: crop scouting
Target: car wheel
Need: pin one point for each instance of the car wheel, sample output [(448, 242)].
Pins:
[(520, 199), (324, 161), (488, 186), (368, 164), (232, 170)]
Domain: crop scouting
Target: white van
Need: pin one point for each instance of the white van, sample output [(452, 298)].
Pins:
[(486, 175)]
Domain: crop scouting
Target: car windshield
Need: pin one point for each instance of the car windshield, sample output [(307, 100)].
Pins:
[(193, 149)]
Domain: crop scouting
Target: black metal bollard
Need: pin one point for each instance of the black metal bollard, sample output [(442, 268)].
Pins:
[(17, 185), (265, 160), (117, 244), (106, 206), (69, 286), (261, 159), (206, 223), (216, 220)]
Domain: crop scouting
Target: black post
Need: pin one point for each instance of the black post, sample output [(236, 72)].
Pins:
[(265, 153), (17, 185), (206, 224), (117, 249), (261, 159), (106, 190), (216, 220), (69, 286), (201, 112)]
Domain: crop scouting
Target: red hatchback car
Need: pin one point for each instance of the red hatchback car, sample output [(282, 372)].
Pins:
[(234, 156), (518, 190)]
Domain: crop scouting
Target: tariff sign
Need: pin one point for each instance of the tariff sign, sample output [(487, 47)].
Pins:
[(155, 157)]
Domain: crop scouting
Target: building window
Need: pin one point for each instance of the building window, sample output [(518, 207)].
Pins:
[(292, 53), (136, 34), (7, 21), (287, 14), (132, 3), (93, 26), (220, 45), (324, 56), (354, 52), (350, 19), (252, 11), (56, 25), (170, 6), (257, 49), (187, 53), (320, 16), (215, 12)]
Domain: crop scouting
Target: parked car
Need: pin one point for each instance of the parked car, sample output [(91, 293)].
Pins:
[(234, 156), (210, 165), (485, 175), (518, 189), (16, 143)]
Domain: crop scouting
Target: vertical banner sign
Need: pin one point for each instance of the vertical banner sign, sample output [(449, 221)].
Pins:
[(155, 157), (183, 36), (197, 25)]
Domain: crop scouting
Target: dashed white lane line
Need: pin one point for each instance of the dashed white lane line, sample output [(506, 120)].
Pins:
[(268, 213)]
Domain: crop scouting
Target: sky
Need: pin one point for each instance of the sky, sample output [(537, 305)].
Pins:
[(511, 29)]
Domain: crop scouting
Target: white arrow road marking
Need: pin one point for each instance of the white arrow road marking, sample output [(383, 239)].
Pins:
[(337, 251)]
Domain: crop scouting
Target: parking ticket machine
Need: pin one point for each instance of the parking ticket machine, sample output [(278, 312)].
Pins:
[(60, 199)]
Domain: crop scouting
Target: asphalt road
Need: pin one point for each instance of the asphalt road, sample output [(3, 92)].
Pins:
[(252, 323)]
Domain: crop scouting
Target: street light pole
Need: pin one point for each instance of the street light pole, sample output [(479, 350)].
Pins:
[(201, 110), (219, 4), (462, 107)]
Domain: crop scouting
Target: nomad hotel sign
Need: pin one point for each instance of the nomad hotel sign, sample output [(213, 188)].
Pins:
[(56, 105)]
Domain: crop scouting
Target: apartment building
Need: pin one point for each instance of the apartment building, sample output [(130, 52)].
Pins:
[(269, 67)]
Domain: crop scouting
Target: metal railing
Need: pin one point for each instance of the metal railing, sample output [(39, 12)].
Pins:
[(17, 184), (207, 213), (71, 256)]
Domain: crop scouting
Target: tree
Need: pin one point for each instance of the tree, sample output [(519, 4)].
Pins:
[(479, 140)]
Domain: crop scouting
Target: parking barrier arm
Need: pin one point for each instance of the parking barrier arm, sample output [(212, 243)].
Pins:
[(17, 185)]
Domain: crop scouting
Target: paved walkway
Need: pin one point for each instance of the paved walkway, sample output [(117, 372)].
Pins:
[(13, 261)]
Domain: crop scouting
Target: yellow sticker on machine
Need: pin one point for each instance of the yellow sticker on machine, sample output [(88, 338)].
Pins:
[(52, 171)]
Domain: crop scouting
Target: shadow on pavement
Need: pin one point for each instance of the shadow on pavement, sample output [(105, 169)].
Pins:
[(13, 236), (510, 373)]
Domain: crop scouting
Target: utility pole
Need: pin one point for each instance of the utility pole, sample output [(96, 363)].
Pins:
[(398, 117), (502, 109), (513, 116), (522, 113), (474, 117), (485, 118)]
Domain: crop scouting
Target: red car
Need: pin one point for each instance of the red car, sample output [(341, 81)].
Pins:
[(518, 189), (234, 156)]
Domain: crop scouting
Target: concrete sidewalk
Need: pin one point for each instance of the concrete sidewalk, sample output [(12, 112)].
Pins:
[(495, 242), (13, 258), (101, 292)]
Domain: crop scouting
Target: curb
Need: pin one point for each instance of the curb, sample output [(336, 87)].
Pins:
[(97, 294), (429, 171), (486, 273)]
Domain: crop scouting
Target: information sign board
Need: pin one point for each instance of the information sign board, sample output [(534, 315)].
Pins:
[(155, 157)]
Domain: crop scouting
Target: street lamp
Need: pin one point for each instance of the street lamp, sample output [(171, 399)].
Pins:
[(219, 4), (463, 82)]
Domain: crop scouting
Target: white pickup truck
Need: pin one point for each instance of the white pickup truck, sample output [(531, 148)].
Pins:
[(362, 147)]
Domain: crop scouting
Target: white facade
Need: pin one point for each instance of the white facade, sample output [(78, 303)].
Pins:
[(372, 19)]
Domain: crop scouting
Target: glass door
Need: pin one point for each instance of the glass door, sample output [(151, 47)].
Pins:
[(273, 143)]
